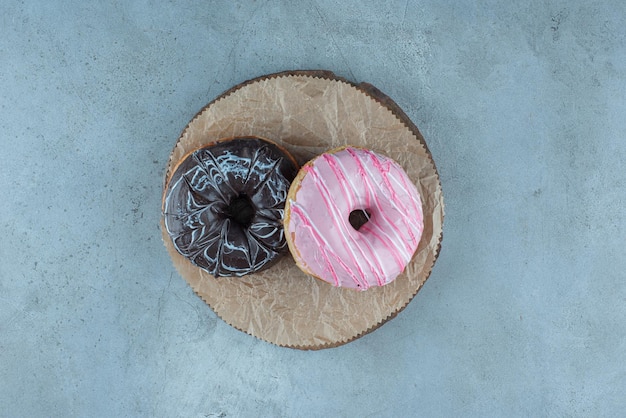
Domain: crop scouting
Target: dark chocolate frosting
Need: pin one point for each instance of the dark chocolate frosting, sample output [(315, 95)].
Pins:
[(224, 205)]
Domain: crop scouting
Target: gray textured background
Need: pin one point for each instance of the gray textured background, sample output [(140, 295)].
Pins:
[(523, 106)]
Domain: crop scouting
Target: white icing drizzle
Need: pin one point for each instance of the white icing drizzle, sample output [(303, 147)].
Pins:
[(200, 191)]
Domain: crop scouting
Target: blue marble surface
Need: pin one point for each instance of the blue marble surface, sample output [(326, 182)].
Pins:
[(523, 107)]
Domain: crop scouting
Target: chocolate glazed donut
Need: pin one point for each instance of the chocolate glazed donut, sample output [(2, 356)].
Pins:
[(224, 204)]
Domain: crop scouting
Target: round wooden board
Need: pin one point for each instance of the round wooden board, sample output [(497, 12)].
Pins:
[(309, 112)]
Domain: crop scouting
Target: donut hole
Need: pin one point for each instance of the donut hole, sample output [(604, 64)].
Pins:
[(240, 210), (359, 217)]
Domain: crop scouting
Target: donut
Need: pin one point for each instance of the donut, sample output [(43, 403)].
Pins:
[(224, 203), (353, 218)]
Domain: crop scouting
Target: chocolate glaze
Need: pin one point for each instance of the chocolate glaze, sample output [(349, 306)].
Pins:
[(224, 205)]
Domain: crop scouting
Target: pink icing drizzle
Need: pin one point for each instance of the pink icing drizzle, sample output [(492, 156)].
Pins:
[(370, 227), (329, 246), (387, 184), (343, 223)]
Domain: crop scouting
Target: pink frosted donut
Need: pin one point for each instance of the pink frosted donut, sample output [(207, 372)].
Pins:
[(354, 218)]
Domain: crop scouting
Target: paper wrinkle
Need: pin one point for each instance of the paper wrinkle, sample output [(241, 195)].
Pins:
[(308, 115)]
